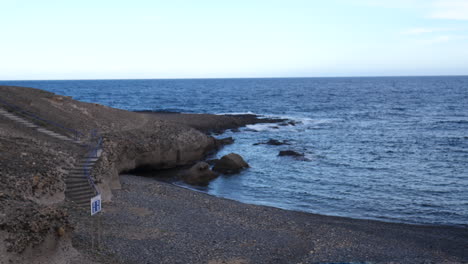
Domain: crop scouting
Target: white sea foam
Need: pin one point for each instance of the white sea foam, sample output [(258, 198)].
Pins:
[(262, 127)]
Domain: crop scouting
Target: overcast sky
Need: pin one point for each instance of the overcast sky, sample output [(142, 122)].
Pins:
[(52, 39)]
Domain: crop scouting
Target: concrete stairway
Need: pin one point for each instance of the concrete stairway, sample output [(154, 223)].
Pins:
[(25, 122), (79, 189)]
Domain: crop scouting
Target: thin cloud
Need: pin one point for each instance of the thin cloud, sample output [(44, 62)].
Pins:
[(422, 30), (443, 39), (435, 9), (450, 9), (394, 3)]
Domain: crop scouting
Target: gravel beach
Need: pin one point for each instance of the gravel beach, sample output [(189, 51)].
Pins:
[(154, 222)]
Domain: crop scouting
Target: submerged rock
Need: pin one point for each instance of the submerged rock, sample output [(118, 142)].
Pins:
[(230, 164), (294, 154), (273, 142), (290, 123), (290, 153), (199, 174)]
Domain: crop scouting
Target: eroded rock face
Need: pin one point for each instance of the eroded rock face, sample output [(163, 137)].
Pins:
[(199, 174), (168, 146), (230, 164)]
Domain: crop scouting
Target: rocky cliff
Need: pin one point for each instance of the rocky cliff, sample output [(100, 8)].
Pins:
[(33, 166)]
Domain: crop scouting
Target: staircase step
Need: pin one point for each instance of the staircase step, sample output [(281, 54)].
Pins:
[(31, 125), (81, 190), (77, 188), (76, 183), (79, 169), (81, 197), (71, 186), (87, 193), (79, 172), (76, 176), (86, 164), (78, 197), (11, 115), (87, 160)]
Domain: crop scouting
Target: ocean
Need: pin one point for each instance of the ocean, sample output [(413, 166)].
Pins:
[(387, 148)]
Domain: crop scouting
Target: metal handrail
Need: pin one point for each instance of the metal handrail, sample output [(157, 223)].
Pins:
[(92, 154), (76, 133)]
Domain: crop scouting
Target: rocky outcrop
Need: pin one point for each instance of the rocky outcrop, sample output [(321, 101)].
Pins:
[(169, 147), (230, 164), (33, 166), (199, 174)]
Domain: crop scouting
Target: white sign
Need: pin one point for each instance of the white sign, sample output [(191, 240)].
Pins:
[(96, 204)]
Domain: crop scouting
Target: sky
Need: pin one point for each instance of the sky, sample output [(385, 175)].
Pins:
[(62, 39)]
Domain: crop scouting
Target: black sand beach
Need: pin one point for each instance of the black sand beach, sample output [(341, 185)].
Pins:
[(153, 222)]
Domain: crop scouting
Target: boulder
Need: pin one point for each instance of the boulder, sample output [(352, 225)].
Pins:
[(199, 174), (230, 164)]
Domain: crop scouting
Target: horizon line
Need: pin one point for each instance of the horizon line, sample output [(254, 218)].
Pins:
[(228, 78)]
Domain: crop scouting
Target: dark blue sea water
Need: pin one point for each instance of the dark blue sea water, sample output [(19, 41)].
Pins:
[(392, 149)]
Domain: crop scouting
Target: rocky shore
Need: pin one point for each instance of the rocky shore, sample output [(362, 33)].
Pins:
[(146, 221)]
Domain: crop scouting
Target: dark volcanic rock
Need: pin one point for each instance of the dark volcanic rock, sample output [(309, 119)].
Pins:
[(290, 123), (290, 153), (230, 164), (294, 154), (199, 174), (212, 161), (273, 142), (225, 141)]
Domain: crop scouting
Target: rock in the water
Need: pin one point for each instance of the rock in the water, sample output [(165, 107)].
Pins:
[(290, 123), (199, 174), (230, 164), (294, 154), (290, 153), (273, 142), (225, 141)]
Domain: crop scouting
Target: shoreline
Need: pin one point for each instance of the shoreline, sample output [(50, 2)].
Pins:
[(148, 220), (192, 188), (185, 226)]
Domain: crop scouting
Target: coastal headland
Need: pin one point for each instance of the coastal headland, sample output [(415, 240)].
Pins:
[(147, 221)]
